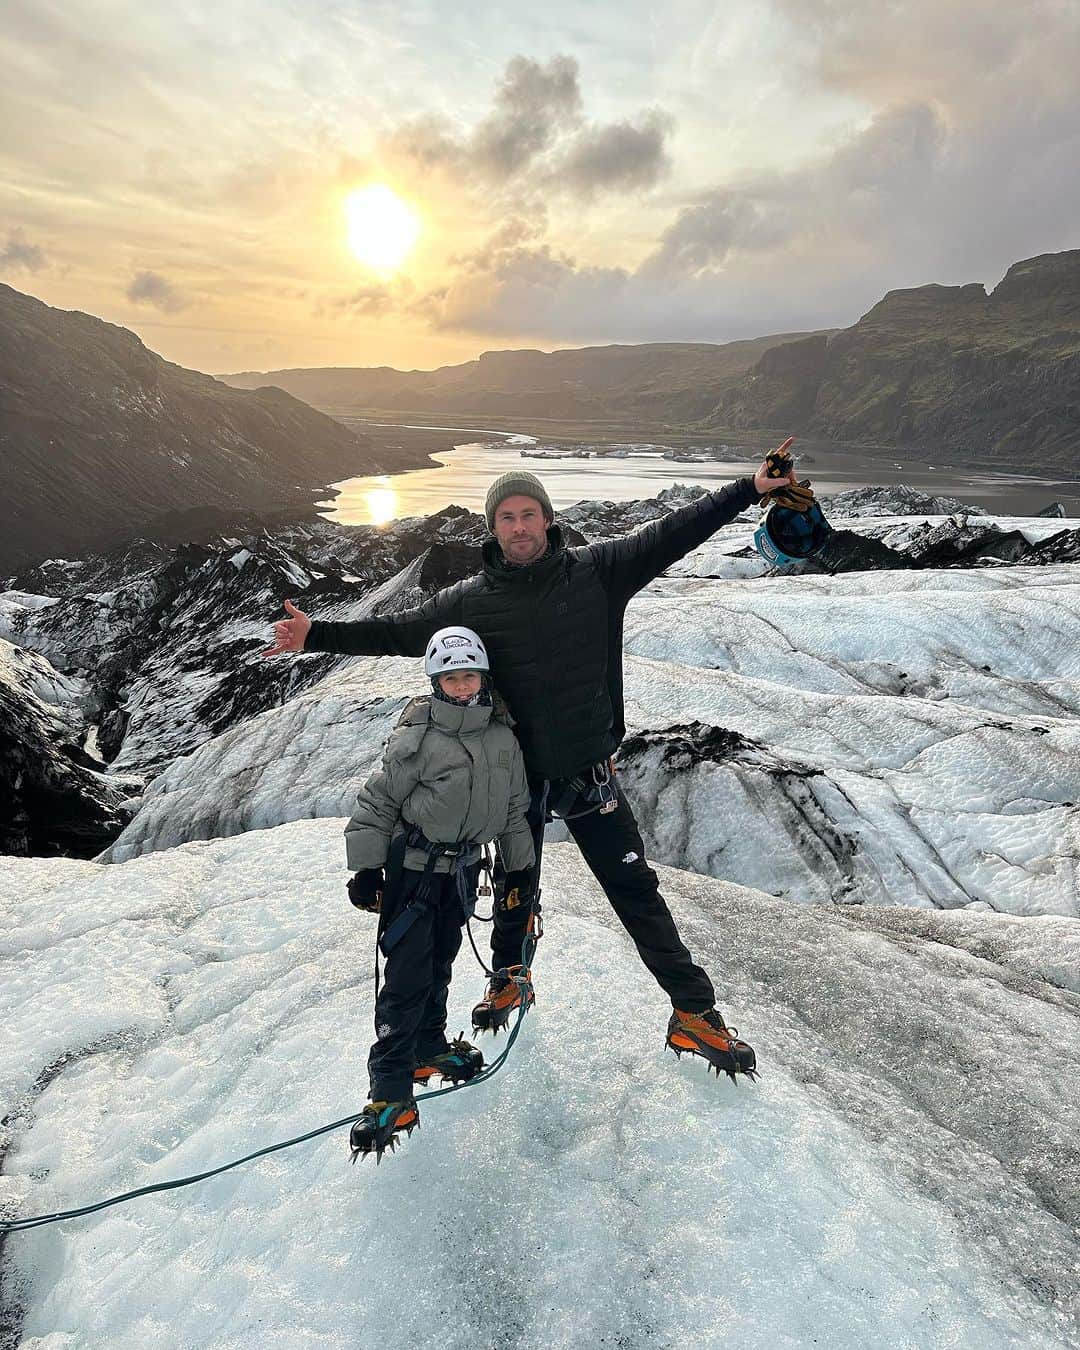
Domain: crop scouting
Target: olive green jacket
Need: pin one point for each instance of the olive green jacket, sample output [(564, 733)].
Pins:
[(456, 773)]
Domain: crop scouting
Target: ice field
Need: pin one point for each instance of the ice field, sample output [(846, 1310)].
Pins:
[(903, 1174)]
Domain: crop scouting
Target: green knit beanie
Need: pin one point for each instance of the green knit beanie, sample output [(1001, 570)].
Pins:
[(518, 482)]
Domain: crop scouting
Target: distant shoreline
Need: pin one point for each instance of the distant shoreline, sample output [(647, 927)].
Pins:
[(398, 447), (641, 470), (557, 432)]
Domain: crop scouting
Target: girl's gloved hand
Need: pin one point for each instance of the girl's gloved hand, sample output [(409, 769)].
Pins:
[(366, 889)]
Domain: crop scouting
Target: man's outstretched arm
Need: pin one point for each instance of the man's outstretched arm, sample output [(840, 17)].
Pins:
[(630, 563), (403, 634)]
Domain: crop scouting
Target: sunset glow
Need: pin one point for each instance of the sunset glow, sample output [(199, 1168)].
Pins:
[(411, 186), (382, 228), (381, 504)]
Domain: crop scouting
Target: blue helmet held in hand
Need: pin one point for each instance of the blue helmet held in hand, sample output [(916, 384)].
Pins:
[(786, 536)]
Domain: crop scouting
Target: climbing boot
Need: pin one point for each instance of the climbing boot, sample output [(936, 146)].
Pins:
[(379, 1126), (706, 1034), (506, 991), (457, 1064)]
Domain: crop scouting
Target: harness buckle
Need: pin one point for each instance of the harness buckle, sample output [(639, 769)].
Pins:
[(609, 796)]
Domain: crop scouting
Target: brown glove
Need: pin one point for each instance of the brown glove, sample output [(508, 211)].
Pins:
[(797, 498)]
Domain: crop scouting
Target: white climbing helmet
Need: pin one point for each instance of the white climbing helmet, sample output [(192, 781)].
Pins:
[(455, 649)]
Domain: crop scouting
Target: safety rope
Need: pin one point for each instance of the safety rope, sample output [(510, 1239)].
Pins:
[(472, 943), (41, 1220)]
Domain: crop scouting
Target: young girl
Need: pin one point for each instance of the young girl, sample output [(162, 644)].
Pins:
[(452, 778)]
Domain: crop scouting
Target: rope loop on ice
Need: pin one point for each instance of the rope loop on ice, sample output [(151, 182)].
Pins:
[(41, 1220)]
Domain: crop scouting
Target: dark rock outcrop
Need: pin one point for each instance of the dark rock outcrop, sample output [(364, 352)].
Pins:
[(52, 799)]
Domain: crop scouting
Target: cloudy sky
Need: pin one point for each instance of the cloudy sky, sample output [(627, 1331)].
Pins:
[(608, 173)]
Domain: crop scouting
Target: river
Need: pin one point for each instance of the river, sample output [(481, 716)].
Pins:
[(467, 471)]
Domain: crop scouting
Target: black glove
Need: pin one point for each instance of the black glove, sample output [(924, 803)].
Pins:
[(517, 888), (366, 889), (779, 462)]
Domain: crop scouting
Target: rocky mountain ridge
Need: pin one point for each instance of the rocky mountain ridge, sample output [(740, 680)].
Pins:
[(101, 439), (948, 372), (991, 376), (675, 382)]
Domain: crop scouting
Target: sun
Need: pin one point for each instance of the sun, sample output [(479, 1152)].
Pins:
[(382, 228)]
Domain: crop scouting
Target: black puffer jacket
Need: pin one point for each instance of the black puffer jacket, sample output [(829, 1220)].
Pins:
[(553, 630)]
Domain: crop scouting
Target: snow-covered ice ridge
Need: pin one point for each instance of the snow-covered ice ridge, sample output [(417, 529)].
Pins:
[(905, 1173), (906, 736), (897, 738)]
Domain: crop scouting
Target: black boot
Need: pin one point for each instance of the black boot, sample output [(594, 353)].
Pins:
[(457, 1064), (379, 1125)]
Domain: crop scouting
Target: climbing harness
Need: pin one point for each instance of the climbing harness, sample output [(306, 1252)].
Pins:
[(463, 856), (596, 787)]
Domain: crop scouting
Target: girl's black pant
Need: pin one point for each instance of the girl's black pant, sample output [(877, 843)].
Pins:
[(410, 1012)]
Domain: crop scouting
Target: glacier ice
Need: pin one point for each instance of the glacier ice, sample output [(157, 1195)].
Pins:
[(909, 737), (905, 1173)]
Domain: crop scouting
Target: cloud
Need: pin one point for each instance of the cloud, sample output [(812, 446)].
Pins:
[(864, 193), (367, 301), (18, 252), (803, 249), (968, 56), (372, 300), (617, 157), (516, 282), (511, 234), (958, 158), (540, 294), (525, 289), (150, 288), (702, 234), (536, 139), (532, 104)]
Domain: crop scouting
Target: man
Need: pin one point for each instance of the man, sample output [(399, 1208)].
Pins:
[(552, 620)]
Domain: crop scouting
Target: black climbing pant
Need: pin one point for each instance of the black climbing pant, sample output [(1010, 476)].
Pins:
[(611, 845), (410, 1012)]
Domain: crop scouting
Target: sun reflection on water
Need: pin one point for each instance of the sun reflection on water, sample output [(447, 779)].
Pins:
[(381, 505)]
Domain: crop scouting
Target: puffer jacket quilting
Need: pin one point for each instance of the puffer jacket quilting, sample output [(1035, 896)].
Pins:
[(457, 774)]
